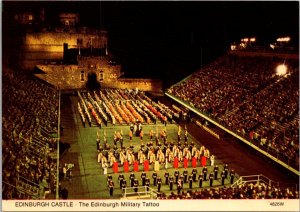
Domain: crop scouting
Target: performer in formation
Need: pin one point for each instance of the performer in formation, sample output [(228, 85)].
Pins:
[(159, 181), (200, 179), (179, 186), (156, 166), (147, 183), (121, 180), (211, 179), (154, 176), (167, 178), (124, 185), (132, 177), (115, 167), (135, 185), (146, 165), (194, 173), (223, 177), (216, 170), (176, 163), (185, 175), (204, 171), (143, 177), (136, 166), (111, 187), (105, 166), (231, 176), (212, 160), (130, 135), (185, 162), (126, 166), (171, 183), (194, 162), (191, 181), (176, 174), (226, 170)]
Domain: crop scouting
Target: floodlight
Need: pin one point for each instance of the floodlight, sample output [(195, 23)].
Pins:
[(281, 70)]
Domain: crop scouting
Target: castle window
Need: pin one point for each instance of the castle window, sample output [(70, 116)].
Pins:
[(101, 75), (82, 76)]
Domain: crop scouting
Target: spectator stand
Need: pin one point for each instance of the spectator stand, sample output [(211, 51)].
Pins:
[(29, 116), (245, 109)]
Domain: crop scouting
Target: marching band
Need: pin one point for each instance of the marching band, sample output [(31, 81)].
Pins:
[(157, 152)]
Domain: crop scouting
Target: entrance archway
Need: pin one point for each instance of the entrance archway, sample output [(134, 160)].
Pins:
[(92, 83)]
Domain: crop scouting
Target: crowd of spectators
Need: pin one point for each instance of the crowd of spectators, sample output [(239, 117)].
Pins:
[(30, 115), (247, 96), (246, 191)]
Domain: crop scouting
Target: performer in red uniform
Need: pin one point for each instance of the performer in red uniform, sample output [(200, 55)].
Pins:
[(136, 166), (203, 161), (115, 167), (146, 165), (126, 166), (175, 163), (194, 162), (185, 162)]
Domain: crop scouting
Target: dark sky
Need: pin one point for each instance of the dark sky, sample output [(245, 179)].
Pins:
[(157, 37)]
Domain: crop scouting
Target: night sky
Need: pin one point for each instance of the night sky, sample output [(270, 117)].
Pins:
[(165, 39)]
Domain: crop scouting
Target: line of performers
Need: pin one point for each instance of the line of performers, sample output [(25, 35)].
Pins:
[(176, 179), (168, 153), (169, 156)]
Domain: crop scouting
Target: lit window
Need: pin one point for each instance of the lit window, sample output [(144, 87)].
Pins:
[(82, 76), (101, 75)]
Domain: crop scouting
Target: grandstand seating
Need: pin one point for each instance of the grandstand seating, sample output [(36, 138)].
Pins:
[(245, 95), (30, 111)]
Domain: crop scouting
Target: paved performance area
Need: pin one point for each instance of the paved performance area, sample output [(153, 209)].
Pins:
[(89, 181)]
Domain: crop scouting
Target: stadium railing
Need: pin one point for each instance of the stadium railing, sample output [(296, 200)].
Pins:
[(143, 193), (257, 179)]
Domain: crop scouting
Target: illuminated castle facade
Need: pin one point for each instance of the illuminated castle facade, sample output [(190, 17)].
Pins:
[(68, 55)]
